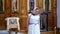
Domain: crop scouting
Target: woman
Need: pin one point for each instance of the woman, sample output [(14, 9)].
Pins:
[(34, 22)]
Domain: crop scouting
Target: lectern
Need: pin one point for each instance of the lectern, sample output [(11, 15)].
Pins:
[(13, 24)]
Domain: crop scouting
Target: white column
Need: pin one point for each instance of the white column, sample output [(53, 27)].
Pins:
[(3, 4), (44, 5), (28, 5), (35, 3), (49, 4)]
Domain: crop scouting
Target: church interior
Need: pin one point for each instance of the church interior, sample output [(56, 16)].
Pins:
[(19, 9)]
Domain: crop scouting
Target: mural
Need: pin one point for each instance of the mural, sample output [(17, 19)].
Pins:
[(31, 3), (15, 6), (44, 16), (1, 6), (12, 21), (46, 5)]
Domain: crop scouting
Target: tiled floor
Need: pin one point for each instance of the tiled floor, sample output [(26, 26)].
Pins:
[(6, 32)]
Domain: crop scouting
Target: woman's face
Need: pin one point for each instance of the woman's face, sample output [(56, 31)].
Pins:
[(33, 12), (36, 11)]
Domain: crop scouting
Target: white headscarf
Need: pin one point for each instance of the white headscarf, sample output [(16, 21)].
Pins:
[(36, 9)]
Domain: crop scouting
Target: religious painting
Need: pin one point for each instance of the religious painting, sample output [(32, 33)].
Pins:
[(15, 6), (30, 5), (1, 6), (43, 22), (44, 15), (47, 5), (12, 21)]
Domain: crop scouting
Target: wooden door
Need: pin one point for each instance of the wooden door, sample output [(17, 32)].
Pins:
[(23, 15), (4, 13), (21, 12), (51, 18)]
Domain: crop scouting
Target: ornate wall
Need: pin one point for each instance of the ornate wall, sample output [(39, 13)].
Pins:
[(23, 13)]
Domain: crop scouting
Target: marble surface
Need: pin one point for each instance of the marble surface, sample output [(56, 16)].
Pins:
[(6, 32), (58, 13)]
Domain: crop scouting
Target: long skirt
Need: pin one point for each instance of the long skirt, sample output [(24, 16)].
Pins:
[(34, 29)]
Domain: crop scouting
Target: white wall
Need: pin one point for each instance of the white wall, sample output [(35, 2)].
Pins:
[(58, 13)]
